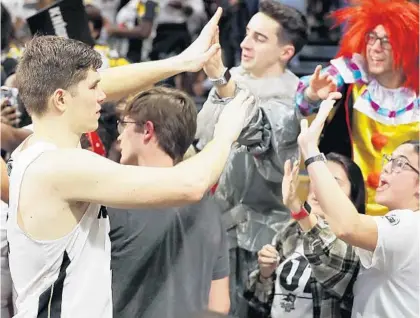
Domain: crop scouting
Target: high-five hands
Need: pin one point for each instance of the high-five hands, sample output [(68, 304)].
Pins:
[(203, 48), (309, 136), (214, 66), (320, 86)]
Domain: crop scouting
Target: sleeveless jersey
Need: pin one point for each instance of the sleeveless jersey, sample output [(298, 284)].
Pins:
[(67, 277)]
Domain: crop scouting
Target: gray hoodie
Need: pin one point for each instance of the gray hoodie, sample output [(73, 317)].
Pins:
[(249, 189)]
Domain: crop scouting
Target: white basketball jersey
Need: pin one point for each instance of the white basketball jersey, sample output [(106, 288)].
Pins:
[(68, 277)]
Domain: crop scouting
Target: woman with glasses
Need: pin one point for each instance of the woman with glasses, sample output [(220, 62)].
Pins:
[(388, 246), (377, 73), (307, 272)]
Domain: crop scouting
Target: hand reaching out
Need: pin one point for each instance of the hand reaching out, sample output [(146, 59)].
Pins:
[(320, 86)]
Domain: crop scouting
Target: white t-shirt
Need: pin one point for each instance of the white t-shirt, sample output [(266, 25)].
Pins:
[(293, 296), (388, 281)]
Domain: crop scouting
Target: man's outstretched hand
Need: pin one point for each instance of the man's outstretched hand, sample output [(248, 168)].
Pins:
[(214, 66), (203, 48)]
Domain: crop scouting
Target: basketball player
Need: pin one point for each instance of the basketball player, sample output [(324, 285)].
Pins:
[(57, 231)]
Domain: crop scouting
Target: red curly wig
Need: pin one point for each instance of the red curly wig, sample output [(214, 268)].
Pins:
[(400, 18)]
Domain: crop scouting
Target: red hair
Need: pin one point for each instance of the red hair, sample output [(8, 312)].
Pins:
[(400, 19)]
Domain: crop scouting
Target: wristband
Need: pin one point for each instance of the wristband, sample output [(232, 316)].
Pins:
[(303, 213), (319, 157)]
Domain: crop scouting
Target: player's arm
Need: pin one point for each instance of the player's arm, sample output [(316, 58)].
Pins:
[(118, 82), (80, 175), (121, 81)]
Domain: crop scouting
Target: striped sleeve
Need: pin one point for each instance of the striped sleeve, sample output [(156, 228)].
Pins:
[(307, 107)]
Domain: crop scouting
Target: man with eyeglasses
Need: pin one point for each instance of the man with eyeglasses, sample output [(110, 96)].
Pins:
[(377, 72), (170, 262)]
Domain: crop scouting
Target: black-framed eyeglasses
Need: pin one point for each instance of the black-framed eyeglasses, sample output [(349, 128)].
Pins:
[(398, 164), (121, 124), (372, 37)]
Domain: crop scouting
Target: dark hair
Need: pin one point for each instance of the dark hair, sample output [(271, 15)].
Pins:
[(355, 176), (293, 25), (6, 28), (94, 16), (173, 114), (414, 143), (49, 63)]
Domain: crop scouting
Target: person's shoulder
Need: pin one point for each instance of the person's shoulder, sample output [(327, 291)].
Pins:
[(351, 68), (55, 156), (57, 161), (207, 210), (403, 217)]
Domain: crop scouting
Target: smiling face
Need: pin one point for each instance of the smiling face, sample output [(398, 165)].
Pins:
[(340, 176), (399, 181), (379, 52)]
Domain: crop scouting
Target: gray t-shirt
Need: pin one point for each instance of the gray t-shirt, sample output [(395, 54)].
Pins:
[(163, 260)]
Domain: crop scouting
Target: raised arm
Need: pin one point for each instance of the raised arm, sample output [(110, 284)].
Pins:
[(350, 226), (118, 82), (79, 175)]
